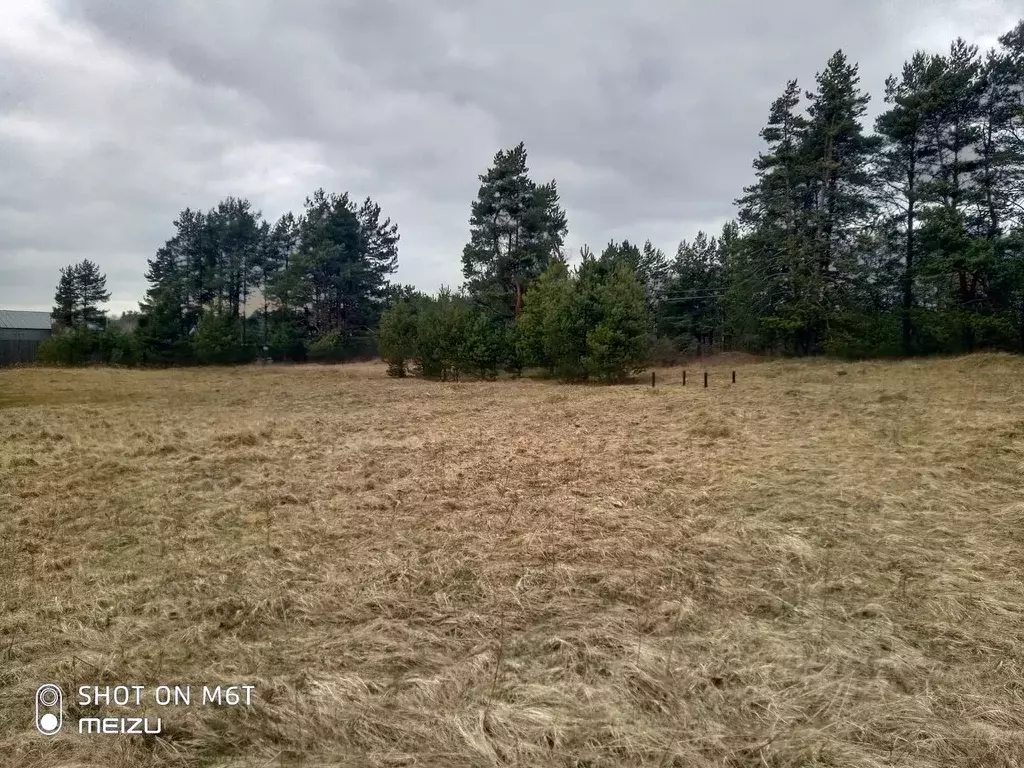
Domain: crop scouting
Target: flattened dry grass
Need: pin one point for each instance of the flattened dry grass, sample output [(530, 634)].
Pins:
[(819, 566)]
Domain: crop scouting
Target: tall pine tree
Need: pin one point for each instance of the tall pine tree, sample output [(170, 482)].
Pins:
[(516, 229)]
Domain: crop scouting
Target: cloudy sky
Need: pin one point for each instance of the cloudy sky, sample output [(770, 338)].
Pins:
[(116, 115)]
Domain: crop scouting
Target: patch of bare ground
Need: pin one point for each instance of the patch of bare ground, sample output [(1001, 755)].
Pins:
[(819, 566)]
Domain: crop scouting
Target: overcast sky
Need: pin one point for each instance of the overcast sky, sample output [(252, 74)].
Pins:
[(114, 116)]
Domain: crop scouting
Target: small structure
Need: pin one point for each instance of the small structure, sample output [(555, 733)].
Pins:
[(21, 333)]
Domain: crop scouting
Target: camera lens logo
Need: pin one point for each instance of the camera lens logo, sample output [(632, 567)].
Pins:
[(49, 709)]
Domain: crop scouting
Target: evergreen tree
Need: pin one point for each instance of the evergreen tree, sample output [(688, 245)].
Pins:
[(278, 245), (839, 153), (807, 215), (951, 261), (778, 252), (216, 339), (546, 332), (80, 291), (903, 163), (617, 346), (691, 314), (235, 235), (594, 323), (338, 276), (647, 263), (484, 349), (65, 310), (172, 306), (1008, 86), (398, 341), (516, 229), (441, 327)]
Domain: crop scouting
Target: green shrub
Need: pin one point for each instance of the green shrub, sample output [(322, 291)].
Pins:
[(82, 346), (398, 337), (119, 348), (74, 346), (326, 348), (595, 323), (217, 339), (339, 347), (617, 347), (286, 341), (859, 337), (484, 350), (440, 331)]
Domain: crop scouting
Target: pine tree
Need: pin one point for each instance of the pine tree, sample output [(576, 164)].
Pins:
[(216, 337), (173, 303), (234, 231), (741, 291), (647, 263), (483, 350), (839, 156), (80, 291), (618, 344), (397, 336), (92, 288), (65, 310), (692, 312), (902, 166), (1009, 77), (441, 329), (278, 245), (516, 229), (839, 153), (777, 261), (543, 336), (952, 263), (339, 274)]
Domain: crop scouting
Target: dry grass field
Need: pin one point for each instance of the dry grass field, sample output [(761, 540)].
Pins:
[(822, 565)]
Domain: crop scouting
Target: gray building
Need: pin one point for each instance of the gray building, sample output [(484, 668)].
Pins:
[(21, 333)]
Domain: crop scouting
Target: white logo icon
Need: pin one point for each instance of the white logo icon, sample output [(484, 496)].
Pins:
[(49, 709)]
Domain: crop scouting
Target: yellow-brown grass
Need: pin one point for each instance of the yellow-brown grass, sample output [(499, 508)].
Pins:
[(819, 566)]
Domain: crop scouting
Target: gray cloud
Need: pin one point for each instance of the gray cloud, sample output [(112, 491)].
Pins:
[(116, 115)]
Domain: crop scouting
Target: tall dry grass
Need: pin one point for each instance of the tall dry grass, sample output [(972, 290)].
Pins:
[(819, 566)]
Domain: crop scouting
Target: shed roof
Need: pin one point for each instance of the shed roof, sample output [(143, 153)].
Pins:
[(16, 318)]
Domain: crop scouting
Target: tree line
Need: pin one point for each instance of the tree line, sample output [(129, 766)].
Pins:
[(902, 240)]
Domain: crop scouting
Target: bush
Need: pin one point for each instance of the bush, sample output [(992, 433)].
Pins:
[(595, 323), (74, 346), (617, 347), (339, 347), (217, 340), (81, 346), (325, 348), (397, 337), (119, 348), (440, 331), (286, 341), (484, 349), (859, 337), (995, 332)]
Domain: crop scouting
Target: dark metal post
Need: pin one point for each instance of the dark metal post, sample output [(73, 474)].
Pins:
[(684, 378), (734, 377), (652, 379), (705, 379)]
